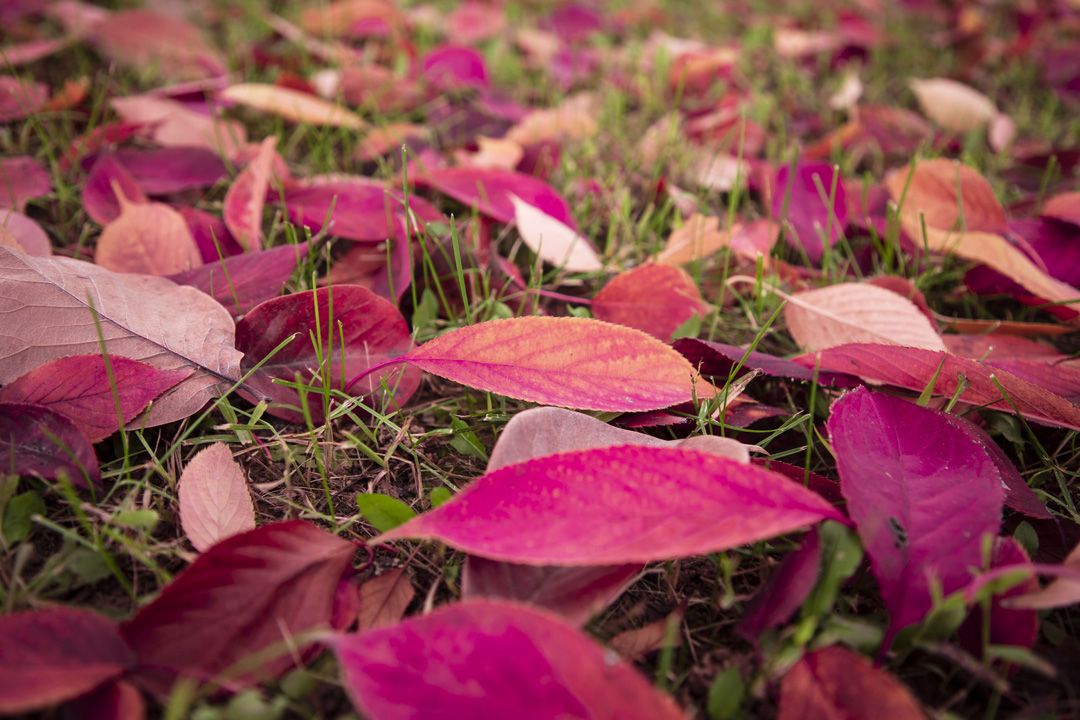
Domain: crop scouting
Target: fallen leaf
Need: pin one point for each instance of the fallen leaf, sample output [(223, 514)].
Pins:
[(495, 660), (574, 118), (25, 53), (25, 233), (213, 497), (1061, 592), (340, 17), (384, 599), (20, 99), (243, 212), (1064, 207), (952, 105), (174, 124), (292, 105), (256, 596), (21, 180), (168, 170), (475, 22), (552, 241), (147, 238), (700, 237), (99, 400), (617, 505), (719, 360), (108, 181), (48, 656), (147, 41), (656, 299), (1018, 627), (922, 494), (948, 195), (835, 682), (857, 312), (490, 191), (355, 208), (635, 644), (812, 199), (117, 700), (500, 153), (573, 362), (451, 67), (915, 369), (37, 441), (786, 589), (139, 320), (355, 327), (243, 281)]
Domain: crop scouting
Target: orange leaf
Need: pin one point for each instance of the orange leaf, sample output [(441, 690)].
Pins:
[(147, 238), (293, 105), (655, 299), (244, 201)]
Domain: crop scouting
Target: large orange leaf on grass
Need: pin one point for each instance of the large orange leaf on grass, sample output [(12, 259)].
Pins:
[(47, 314), (573, 362), (857, 312)]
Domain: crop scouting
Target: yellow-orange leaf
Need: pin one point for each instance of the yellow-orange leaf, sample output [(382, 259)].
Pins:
[(293, 105)]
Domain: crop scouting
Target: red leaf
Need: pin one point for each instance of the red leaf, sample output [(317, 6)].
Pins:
[(241, 282), (618, 505), (573, 362), (252, 593), (374, 331), (244, 201), (384, 599), (164, 171), (116, 701), (214, 499), (655, 299), (489, 190), (834, 683), (914, 369), (79, 388), (33, 441), (492, 660), (787, 588), (48, 656), (1026, 359), (1008, 626), (718, 360), (922, 494)]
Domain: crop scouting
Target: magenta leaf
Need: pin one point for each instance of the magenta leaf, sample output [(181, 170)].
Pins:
[(211, 235), (243, 281), (807, 193), (252, 594), (452, 67), (922, 494), (785, 591), (484, 659), (374, 332), (22, 179), (489, 190), (358, 209), (167, 170), (1008, 626), (107, 176), (79, 388), (35, 440), (48, 656), (618, 505), (117, 700)]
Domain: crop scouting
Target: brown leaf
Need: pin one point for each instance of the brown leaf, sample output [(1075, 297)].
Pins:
[(384, 599), (857, 313), (47, 315), (147, 238), (293, 105), (952, 105), (214, 499), (635, 644)]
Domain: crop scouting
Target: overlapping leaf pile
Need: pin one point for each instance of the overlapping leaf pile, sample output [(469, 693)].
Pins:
[(233, 341)]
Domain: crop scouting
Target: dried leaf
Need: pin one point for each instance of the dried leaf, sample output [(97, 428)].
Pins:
[(553, 241), (147, 238), (292, 105), (857, 312), (496, 660), (573, 362), (635, 644), (952, 105), (214, 499), (142, 318), (384, 599)]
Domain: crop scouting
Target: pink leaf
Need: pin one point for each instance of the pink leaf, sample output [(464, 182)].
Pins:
[(48, 656), (99, 191), (922, 494), (384, 599), (914, 369), (787, 588), (143, 318), (22, 179), (1008, 626), (618, 505), (252, 593), (214, 499), (489, 191), (149, 239), (552, 241), (243, 281), (19, 98), (452, 67), (573, 362), (358, 209), (656, 299), (145, 40), (483, 659), (719, 360), (174, 124), (164, 171), (807, 195), (79, 388), (27, 235), (373, 331), (35, 440), (244, 200), (834, 683)]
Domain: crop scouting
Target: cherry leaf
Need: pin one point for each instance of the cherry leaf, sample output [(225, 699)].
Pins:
[(813, 206), (147, 238), (922, 495), (143, 318), (857, 312), (490, 190), (835, 682), (244, 201), (493, 660), (656, 299), (48, 656), (618, 505), (243, 281), (106, 181), (573, 362), (81, 389), (252, 596), (35, 440), (552, 241), (214, 499)]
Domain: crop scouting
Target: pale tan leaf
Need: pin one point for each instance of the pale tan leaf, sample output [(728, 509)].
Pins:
[(293, 105), (701, 236), (214, 499), (501, 153), (857, 313), (849, 92), (1001, 133), (8, 239), (384, 599), (47, 315), (147, 238), (553, 241), (575, 118), (952, 105), (635, 644)]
